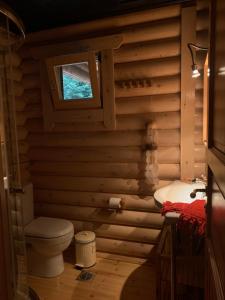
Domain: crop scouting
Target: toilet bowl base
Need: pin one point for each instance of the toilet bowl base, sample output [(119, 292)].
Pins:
[(44, 266)]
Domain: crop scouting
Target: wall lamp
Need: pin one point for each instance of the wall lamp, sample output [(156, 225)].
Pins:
[(195, 71)]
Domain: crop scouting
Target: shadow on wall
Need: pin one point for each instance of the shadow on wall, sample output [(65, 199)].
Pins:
[(148, 168)]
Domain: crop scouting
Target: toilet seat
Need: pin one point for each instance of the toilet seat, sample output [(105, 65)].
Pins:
[(48, 228)]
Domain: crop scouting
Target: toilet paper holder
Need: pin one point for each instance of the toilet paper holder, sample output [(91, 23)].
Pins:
[(114, 204)]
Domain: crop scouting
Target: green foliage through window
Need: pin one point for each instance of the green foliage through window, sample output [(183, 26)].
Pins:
[(76, 89)]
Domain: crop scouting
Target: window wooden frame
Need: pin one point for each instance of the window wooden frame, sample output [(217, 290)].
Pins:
[(106, 113), (6, 264), (55, 84)]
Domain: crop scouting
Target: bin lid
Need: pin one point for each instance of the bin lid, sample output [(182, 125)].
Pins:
[(85, 237)]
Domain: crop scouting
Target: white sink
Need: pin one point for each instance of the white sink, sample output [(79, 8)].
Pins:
[(179, 191)]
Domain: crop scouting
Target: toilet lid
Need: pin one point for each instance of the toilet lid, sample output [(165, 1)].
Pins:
[(48, 228)]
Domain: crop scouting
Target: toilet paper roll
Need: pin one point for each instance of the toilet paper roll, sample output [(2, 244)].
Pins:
[(6, 184), (114, 203)]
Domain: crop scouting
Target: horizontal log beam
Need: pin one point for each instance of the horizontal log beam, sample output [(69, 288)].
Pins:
[(166, 155), (125, 248), (103, 154), (106, 170), (147, 50), (167, 138), (109, 170), (170, 137), (88, 184), (147, 69), (101, 215), (124, 123), (152, 86), (127, 53), (119, 232), (172, 171), (166, 28), (98, 200), (82, 184), (148, 104), (142, 112), (88, 139), (126, 233), (131, 121), (167, 120)]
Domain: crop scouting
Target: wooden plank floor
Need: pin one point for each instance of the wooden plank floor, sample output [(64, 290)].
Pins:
[(115, 279)]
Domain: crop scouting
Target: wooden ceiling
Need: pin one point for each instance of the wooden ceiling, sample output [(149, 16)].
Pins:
[(45, 14)]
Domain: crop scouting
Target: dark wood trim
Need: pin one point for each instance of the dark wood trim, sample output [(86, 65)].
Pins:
[(212, 72), (215, 288), (3, 263), (6, 289), (215, 272), (209, 202), (217, 167)]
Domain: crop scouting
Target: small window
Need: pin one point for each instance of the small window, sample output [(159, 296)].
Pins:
[(74, 81), (77, 82)]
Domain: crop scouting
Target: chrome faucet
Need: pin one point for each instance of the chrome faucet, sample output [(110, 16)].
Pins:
[(203, 180), (194, 192)]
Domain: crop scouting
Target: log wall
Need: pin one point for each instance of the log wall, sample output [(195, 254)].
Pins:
[(202, 39), (14, 74), (77, 167)]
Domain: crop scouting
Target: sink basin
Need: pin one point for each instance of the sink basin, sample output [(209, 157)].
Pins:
[(179, 191)]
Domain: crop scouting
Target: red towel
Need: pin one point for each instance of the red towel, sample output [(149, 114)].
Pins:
[(173, 207), (191, 214)]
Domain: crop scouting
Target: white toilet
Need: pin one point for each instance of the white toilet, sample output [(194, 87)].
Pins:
[(46, 239)]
